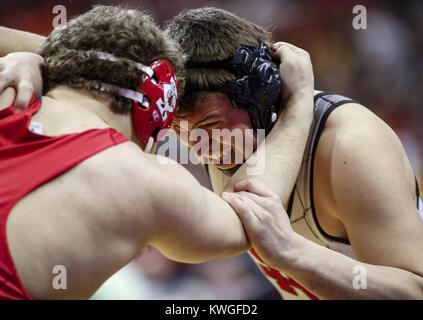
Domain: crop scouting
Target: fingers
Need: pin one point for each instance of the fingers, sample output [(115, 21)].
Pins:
[(7, 97), (254, 202), (288, 52), (4, 82), (244, 212), (262, 206), (285, 45), (295, 69), (25, 91), (275, 46), (254, 186), (283, 53), (5, 78), (21, 70)]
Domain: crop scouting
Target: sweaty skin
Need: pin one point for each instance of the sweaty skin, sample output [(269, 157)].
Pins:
[(364, 191)]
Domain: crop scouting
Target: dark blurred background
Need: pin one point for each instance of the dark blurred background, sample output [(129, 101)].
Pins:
[(382, 67)]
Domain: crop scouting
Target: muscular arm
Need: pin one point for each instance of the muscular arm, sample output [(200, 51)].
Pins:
[(12, 40), (372, 193), (331, 275), (370, 186), (189, 223)]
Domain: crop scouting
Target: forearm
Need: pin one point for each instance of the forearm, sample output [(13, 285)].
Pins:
[(12, 40), (331, 275), (221, 231), (283, 149), (202, 232), (194, 224)]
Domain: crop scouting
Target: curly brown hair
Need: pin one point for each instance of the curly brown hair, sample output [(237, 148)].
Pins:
[(70, 52), (210, 34)]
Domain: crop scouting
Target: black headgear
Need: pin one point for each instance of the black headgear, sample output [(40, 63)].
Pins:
[(257, 87)]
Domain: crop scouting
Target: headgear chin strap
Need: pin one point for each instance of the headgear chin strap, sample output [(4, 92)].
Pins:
[(257, 87), (155, 102)]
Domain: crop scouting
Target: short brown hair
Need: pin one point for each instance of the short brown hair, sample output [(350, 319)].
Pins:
[(130, 35), (210, 34)]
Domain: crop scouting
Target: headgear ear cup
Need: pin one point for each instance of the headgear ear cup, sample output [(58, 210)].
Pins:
[(161, 91), (257, 87), (155, 102)]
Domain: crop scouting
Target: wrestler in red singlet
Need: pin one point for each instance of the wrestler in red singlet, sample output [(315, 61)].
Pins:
[(28, 160)]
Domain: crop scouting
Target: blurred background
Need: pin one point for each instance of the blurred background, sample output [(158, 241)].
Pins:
[(381, 66)]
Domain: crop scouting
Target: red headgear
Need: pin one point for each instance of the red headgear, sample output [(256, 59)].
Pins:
[(155, 102)]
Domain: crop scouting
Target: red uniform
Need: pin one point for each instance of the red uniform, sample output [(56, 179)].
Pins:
[(27, 160)]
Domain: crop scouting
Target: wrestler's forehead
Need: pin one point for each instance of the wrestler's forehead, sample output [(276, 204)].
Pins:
[(211, 103)]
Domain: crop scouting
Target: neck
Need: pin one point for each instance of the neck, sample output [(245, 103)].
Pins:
[(93, 110)]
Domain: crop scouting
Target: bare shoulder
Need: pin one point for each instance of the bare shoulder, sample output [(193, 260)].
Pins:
[(359, 147), (353, 127), (367, 181), (123, 168), (121, 177), (138, 181), (115, 161)]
